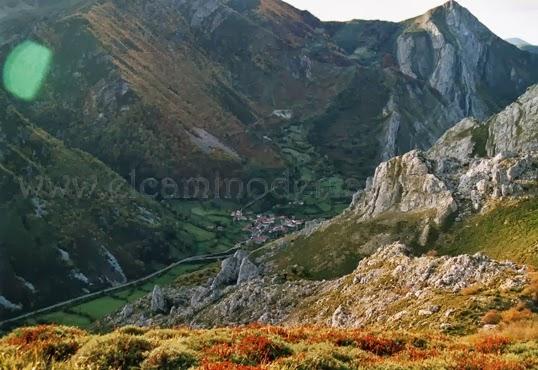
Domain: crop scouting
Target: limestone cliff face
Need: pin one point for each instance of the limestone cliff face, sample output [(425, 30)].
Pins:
[(405, 184), (459, 57), (457, 142), (471, 163), (515, 130)]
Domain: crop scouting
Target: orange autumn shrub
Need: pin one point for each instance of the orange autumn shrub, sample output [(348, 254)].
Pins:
[(248, 350), (379, 346), (486, 362), (471, 290), (491, 344), (492, 317), (516, 314), (46, 342)]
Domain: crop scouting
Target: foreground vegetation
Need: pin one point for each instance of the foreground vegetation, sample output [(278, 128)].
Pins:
[(512, 346)]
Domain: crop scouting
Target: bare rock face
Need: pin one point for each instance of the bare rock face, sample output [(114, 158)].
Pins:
[(452, 50), (341, 317), (127, 311), (158, 302), (228, 274), (405, 184), (235, 270), (515, 130), (247, 271), (457, 143)]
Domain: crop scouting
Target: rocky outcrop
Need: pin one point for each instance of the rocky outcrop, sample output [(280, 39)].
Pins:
[(391, 288), (514, 131), (158, 302), (228, 273), (247, 271), (235, 270), (456, 175), (405, 184), (457, 143)]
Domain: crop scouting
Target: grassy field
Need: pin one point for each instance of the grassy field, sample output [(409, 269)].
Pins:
[(508, 231), (254, 347), (85, 314), (335, 250)]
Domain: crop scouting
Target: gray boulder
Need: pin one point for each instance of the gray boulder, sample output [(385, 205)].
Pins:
[(247, 271), (228, 274), (127, 311), (158, 302)]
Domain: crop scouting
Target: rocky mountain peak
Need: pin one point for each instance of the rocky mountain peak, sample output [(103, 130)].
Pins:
[(456, 54), (452, 9), (453, 6)]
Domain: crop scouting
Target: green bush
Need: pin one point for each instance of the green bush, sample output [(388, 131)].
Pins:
[(170, 356), (316, 357), (113, 351)]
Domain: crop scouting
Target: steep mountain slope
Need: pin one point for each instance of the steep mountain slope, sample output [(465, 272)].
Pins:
[(473, 69), (69, 224), (427, 200), (162, 87)]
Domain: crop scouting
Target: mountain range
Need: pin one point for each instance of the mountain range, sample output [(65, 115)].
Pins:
[(237, 89)]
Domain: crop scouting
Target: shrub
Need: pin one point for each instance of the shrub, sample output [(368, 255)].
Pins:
[(532, 289), (471, 290), (226, 365), (485, 362), (249, 350), (256, 349), (525, 330), (516, 314), (46, 342), (491, 344), (432, 253), (170, 356), (492, 317), (113, 351), (132, 330), (321, 356), (379, 346)]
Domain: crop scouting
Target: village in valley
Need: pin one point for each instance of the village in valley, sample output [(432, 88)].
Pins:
[(262, 228)]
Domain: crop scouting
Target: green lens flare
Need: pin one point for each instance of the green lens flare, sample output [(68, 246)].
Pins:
[(25, 69)]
